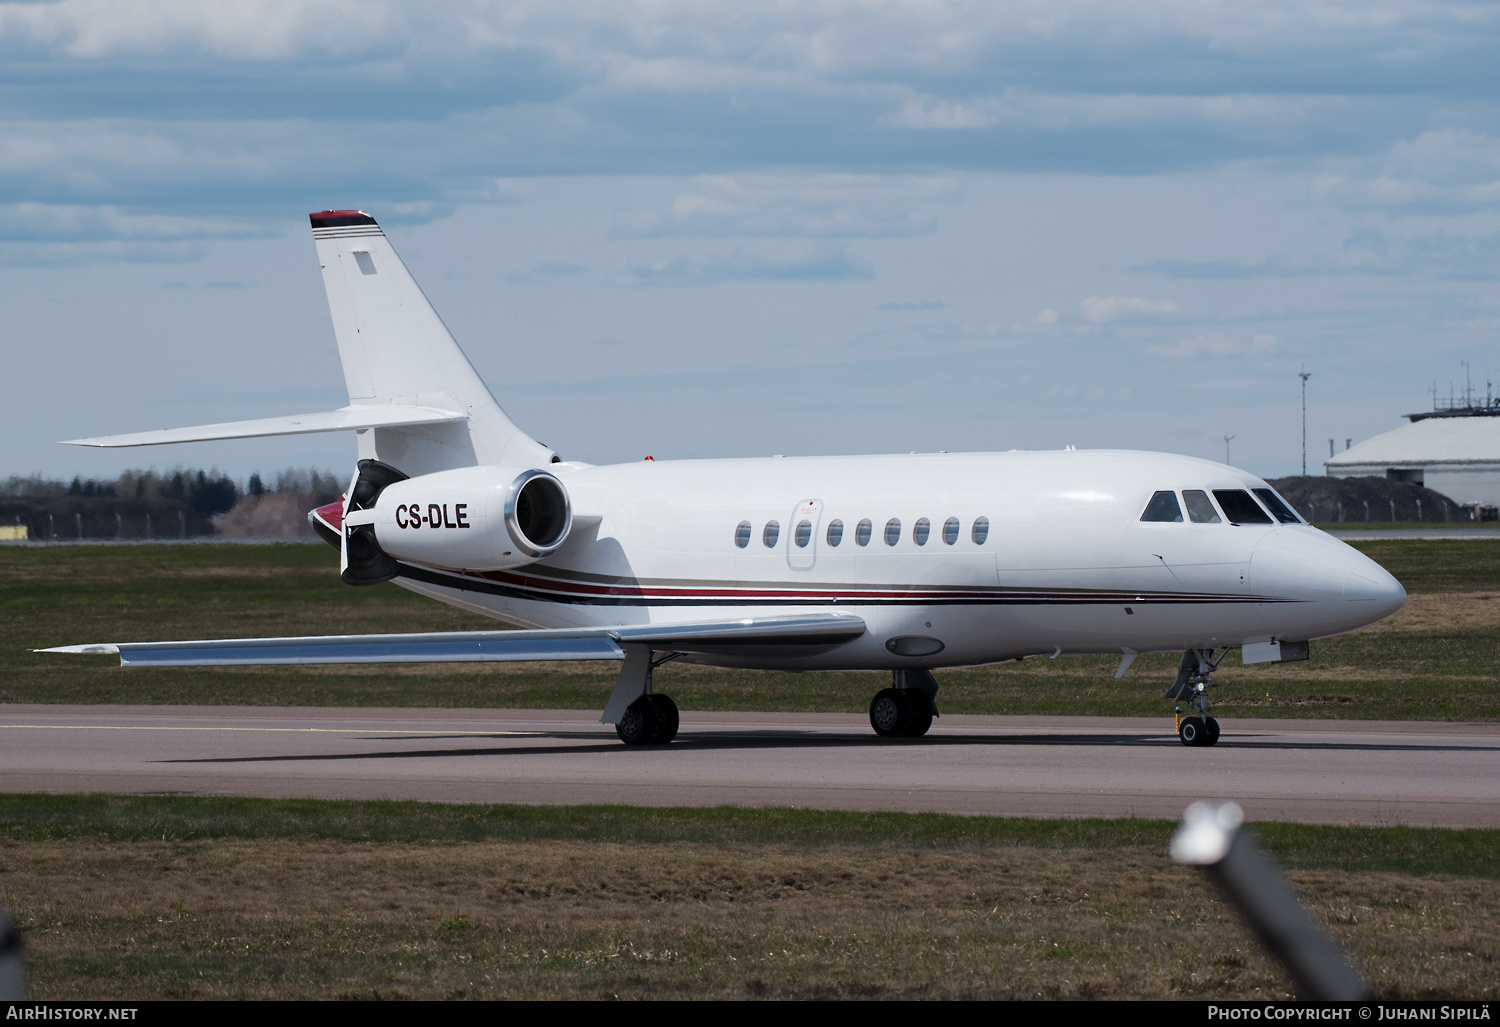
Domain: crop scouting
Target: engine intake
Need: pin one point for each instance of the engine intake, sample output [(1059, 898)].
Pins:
[(537, 513)]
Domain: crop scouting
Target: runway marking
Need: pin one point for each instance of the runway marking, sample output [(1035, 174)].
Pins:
[(284, 730)]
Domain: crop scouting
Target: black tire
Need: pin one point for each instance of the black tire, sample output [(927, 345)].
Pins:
[(1191, 731), (890, 713), (1210, 731), (640, 723), (920, 705), (666, 719)]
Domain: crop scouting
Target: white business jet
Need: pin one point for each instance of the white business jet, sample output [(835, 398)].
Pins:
[(904, 564)]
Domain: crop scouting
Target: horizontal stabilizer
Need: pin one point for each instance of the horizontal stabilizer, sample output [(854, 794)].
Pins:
[(811, 630), (348, 418)]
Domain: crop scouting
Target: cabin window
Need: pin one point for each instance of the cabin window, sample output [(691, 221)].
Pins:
[(893, 531), (803, 535), (771, 534), (835, 532), (1278, 506), (742, 534), (862, 532), (921, 530), (1200, 507), (1163, 507), (1240, 508), (950, 531), (980, 531)]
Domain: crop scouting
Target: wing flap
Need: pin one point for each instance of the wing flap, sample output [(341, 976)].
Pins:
[(799, 632), (350, 418)]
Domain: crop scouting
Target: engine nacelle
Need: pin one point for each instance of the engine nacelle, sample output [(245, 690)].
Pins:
[(474, 518)]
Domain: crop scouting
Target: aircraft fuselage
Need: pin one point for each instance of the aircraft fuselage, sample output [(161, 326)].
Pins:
[(1061, 563)]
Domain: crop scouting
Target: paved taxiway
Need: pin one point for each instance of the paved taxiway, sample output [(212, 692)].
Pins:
[(1377, 773)]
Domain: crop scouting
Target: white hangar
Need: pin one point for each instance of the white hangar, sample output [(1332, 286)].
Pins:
[(1457, 456)]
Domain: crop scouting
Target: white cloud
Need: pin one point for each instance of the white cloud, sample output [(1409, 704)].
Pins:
[(814, 205), (754, 263), (943, 114), (1444, 171), (1218, 346), (1101, 309)]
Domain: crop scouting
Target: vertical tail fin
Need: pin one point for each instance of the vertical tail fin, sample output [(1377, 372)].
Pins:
[(397, 351)]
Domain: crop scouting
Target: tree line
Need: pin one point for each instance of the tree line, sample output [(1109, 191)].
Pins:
[(205, 493)]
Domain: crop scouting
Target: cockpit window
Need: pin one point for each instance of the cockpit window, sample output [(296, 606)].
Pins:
[(1278, 506), (1200, 507), (1163, 507), (1240, 508)]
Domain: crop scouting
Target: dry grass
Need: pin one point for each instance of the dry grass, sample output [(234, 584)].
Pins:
[(295, 918), (1444, 611)]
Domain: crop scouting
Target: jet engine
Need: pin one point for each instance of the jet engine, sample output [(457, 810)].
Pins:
[(472, 518)]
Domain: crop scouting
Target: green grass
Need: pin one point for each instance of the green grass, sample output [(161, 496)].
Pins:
[(70, 594), (1438, 566), (110, 818), (1401, 525)]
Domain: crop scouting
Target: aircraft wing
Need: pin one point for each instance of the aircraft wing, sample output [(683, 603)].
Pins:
[(800, 634), (348, 418)]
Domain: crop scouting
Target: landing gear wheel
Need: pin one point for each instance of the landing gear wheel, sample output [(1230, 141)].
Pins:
[(666, 719), (890, 713), (641, 722), (1191, 731), (1210, 731), (921, 714)]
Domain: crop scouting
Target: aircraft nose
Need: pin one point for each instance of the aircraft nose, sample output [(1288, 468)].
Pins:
[(1311, 585), (1374, 587)]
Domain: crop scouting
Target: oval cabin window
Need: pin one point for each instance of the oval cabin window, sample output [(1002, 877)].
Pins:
[(803, 535), (921, 530), (893, 531)]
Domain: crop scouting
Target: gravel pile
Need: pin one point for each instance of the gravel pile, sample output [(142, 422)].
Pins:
[(1373, 499)]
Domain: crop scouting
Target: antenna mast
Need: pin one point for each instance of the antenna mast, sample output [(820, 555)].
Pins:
[(1304, 375)]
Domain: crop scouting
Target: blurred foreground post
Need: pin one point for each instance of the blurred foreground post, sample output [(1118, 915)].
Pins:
[(12, 983), (1210, 837)]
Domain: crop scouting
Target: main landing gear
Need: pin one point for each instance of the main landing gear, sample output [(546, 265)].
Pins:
[(641, 716), (1194, 679), (906, 709), (650, 720)]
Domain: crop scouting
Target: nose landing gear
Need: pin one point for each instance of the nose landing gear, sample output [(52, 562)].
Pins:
[(1194, 679)]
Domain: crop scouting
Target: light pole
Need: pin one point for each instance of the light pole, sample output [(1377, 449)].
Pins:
[(1304, 375), (1226, 447)]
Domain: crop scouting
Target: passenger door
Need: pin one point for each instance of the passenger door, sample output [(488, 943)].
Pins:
[(802, 535)]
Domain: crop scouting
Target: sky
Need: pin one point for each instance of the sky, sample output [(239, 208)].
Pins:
[(696, 230)]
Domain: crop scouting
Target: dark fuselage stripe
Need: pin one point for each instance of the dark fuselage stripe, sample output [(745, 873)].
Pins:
[(827, 597)]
